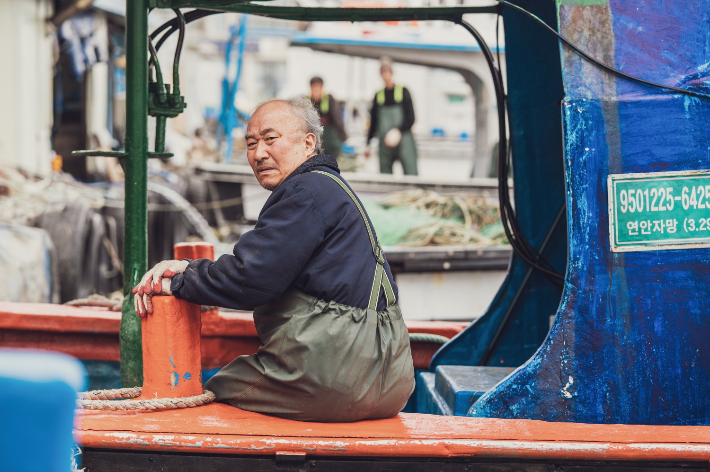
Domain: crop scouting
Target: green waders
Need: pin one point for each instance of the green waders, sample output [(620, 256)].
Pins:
[(322, 361), (331, 142), (332, 145), (392, 116)]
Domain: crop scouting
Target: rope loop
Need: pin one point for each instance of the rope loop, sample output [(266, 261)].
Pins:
[(106, 400), (113, 394)]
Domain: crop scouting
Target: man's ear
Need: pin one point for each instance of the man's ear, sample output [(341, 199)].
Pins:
[(311, 141)]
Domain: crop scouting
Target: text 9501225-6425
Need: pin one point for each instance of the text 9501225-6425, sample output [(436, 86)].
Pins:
[(663, 210)]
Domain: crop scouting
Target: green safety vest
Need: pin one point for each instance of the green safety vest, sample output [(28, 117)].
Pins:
[(324, 104), (398, 95)]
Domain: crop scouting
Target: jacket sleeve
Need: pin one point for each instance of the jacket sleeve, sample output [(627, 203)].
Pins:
[(408, 107), (266, 259)]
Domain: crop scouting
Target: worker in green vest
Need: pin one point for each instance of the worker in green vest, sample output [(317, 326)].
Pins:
[(391, 119), (330, 118)]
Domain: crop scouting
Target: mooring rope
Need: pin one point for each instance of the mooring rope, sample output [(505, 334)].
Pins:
[(113, 304), (106, 400), (427, 337)]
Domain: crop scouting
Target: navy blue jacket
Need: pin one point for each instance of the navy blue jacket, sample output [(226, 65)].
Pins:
[(309, 235)]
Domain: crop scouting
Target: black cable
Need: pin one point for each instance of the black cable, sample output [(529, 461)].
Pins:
[(513, 232), (178, 51), (500, 66), (174, 24), (158, 72), (189, 17), (510, 225), (599, 63)]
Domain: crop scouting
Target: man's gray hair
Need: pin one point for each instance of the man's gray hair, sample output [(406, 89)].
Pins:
[(303, 107)]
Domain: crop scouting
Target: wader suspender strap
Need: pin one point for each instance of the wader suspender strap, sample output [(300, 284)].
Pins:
[(324, 104), (381, 279), (398, 95)]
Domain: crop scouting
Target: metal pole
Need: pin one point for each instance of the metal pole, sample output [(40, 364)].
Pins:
[(135, 242)]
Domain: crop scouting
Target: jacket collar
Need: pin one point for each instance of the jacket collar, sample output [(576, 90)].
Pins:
[(315, 161)]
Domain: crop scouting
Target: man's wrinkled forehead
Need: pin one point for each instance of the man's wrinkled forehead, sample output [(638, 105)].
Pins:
[(272, 117)]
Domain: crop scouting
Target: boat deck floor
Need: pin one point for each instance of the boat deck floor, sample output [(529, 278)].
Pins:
[(222, 429)]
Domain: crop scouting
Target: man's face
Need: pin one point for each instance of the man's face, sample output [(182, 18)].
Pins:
[(316, 91), (387, 76), (277, 143)]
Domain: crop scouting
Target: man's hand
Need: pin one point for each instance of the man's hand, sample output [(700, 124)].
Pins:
[(367, 151), (156, 282)]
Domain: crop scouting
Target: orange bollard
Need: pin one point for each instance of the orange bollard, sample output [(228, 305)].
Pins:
[(172, 359), (193, 251), (196, 251)]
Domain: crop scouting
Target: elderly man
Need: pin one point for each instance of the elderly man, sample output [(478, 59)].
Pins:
[(334, 345)]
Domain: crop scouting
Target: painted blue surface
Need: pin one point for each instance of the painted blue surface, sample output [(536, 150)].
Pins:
[(665, 41), (534, 94), (629, 344), (37, 399), (429, 401), (411, 406), (207, 374), (102, 375), (461, 386)]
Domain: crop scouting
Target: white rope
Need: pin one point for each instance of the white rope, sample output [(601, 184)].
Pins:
[(113, 304), (106, 400), (111, 394)]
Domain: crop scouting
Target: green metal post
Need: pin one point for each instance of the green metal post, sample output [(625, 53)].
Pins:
[(135, 242), (160, 122)]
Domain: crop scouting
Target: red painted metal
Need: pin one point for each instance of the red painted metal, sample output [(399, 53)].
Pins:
[(197, 250), (448, 329), (193, 251), (92, 333), (172, 364), (218, 428)]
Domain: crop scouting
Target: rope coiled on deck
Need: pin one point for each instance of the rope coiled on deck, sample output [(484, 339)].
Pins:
[(106, 400)]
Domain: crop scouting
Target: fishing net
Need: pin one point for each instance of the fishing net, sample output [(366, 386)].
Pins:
[(426, 218)]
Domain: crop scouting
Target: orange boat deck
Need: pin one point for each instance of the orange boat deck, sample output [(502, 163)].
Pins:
[(222, 429), (218, 430)]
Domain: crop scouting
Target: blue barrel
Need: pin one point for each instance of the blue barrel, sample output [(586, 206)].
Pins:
[(37, 398)]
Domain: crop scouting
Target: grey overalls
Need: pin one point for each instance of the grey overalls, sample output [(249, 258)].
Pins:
[(323, 361), (388, 117)]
